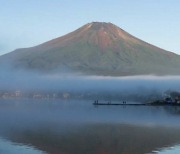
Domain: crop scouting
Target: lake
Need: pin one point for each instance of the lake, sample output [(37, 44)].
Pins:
[(78, 127)]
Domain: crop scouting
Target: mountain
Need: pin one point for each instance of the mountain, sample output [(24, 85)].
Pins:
[(96, 48)]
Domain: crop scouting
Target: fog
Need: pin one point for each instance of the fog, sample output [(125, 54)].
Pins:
[(71, 82), (26, 80), (56, 119)]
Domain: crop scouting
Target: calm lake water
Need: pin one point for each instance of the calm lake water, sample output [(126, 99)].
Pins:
[(78, 127)]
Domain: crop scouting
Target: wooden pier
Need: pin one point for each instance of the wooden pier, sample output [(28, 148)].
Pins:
[(134, 104)]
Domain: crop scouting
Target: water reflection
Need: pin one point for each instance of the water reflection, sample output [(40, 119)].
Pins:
[(99, 138), (76, 126), (168, 150), (7, 147), (173, 110)]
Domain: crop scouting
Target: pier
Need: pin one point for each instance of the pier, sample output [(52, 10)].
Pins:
[(134, 104)]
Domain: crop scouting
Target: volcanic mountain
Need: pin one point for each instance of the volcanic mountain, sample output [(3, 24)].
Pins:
[(96, 48)]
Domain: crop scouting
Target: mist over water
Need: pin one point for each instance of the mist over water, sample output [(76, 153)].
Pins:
[(70, 126), (11, 80), (76, 126)]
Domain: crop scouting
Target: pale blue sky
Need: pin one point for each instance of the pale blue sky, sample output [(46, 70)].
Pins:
[(25, 23)]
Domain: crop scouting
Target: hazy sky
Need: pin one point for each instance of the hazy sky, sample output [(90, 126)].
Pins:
[(25, 23)]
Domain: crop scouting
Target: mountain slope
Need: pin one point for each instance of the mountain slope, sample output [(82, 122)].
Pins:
[(98, 49)]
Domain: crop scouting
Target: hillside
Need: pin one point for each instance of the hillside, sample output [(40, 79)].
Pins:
[(96, 49)]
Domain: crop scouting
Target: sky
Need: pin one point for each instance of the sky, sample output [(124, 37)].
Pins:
[(26, 23)]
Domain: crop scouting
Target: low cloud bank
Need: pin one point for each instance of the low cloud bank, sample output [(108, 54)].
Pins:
[(142, 85), (29, 80)]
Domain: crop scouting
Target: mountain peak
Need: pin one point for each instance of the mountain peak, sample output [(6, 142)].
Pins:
[(105, 34), (97, 48), (101, 25)]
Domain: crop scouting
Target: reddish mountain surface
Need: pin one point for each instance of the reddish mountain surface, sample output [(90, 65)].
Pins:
[(98, 49)]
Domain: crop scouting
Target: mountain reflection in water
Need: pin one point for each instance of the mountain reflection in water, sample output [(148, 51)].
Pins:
[(78, 127), (168, 150), (7, 147)]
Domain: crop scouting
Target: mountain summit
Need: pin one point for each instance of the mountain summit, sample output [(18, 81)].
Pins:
[(97, 48)]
